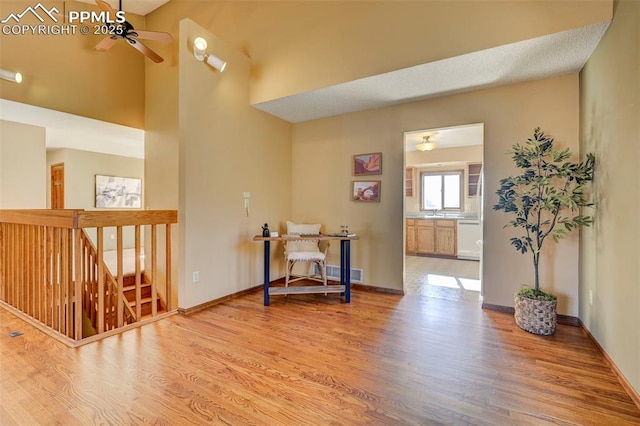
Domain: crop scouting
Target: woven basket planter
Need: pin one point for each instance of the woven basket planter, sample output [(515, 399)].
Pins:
[(536, 316)]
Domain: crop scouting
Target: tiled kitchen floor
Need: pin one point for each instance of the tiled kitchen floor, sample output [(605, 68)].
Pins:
[(451, 279)]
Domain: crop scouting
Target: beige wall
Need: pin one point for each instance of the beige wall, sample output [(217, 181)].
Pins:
[(322, 152), (64, 72), (291, 50), (80, 169), (23, 183), (610, 127), (225, 148)]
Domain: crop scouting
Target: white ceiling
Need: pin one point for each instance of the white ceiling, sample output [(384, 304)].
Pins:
[(543, 57), (72, 131), (447, 137), (538, 58), (139, 7)]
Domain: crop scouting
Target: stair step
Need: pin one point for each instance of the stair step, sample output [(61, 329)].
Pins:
[(143, 301), (130, 279), (130, 291)]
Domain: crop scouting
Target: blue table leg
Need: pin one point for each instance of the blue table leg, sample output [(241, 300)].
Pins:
[(345, 269), (267, 260)]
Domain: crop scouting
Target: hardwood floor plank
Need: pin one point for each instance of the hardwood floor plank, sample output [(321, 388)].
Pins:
[(313, 360)]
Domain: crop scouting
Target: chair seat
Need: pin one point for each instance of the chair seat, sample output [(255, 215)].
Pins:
[(305, 256)]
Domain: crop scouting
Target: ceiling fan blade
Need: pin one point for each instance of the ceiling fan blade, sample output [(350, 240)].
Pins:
[(146, 51), (106, 44), (153, 35), (106, 7)]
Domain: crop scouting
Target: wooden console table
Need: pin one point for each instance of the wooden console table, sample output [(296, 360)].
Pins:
[(345, 268)]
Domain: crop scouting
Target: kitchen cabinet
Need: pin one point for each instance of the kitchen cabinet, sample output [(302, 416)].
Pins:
[(411, 235), (409, 181), (446, 237), (425, 236), (431, 237), (473, 179)]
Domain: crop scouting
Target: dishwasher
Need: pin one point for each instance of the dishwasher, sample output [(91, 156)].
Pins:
[(469, 239)]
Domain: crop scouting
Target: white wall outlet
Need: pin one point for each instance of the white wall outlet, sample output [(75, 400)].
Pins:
[(590, 297), (246, 195), (196, 276)]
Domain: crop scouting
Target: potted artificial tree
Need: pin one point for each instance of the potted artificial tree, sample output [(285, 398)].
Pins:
[(545, 200)]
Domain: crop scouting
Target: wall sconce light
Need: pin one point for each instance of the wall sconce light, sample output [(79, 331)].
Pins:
[(200, 52), (16, 77)]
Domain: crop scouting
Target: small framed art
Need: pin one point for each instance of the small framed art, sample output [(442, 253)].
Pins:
[(366, 191), (367, 164), (115, 192)]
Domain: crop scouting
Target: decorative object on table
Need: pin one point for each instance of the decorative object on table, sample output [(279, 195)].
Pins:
[(545, 200), (114, 192), (368, 191), (367, 164), (265, 231), (344, 230)]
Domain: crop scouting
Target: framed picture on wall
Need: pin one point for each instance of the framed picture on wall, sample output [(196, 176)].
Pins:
[(114, 192), (367, 164), (366, 191)]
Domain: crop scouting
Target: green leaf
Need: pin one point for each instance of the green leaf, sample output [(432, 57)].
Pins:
[(546, 196)]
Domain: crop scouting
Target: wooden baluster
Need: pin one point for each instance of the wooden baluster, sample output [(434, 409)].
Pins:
[(3, 262), (120, 302), (12, 266), (77, 294), (33, 256), (100, 261), (85, 274), (47, 264), (3, 259), (138, 277), (68, 283), (154, 272), (55, 279), (28, 257), (20, 289), (39, 273), (168, 265)]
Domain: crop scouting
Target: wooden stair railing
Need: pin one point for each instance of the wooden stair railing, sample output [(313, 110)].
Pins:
[(90, 301), (48, 263)]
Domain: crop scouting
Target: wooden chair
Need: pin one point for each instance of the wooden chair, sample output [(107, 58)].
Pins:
[(307, 252)]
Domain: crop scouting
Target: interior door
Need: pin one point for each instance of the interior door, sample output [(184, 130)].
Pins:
[(57, 186)]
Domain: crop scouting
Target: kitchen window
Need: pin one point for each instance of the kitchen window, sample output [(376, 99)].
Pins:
[(441, 190)]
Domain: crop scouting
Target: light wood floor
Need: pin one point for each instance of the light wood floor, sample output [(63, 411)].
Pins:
[(313, 360), (450, 279)]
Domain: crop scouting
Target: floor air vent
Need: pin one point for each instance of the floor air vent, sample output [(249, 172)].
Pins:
[(333, 273)]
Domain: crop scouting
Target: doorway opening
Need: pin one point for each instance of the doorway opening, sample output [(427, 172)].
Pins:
[(443, 212), (57, 186)]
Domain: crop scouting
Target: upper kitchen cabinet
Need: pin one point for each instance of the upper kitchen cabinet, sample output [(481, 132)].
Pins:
[(473, 179), (409, 181)]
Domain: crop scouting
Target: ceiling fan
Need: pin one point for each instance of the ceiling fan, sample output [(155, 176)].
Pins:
[(125, 31)]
